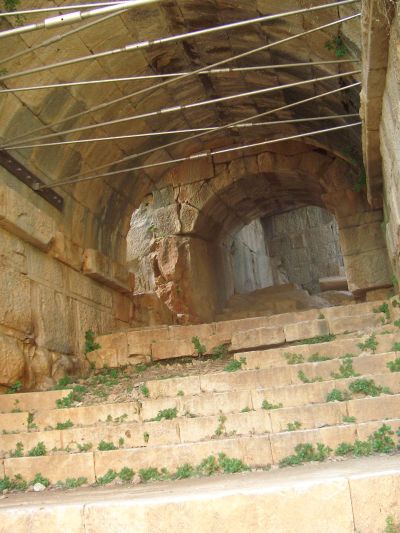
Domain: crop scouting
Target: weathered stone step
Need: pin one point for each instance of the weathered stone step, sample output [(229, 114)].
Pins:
[(270, 336), (333, 349), (341, 497), (284, 374), (255, 450), (81, 416), (30, 401), (165, 342), (181, 430)]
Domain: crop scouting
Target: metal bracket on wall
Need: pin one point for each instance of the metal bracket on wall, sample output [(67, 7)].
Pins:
[(23, 174)]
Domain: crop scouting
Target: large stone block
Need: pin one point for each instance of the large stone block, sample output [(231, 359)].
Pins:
[(306, 330), (101, 268), (255, 338), (91, 290), (53, 319), (367, 270), (66, 251), (12, 360), (24, 219), (15, 301)]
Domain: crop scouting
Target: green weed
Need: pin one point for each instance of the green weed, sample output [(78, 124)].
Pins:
[(221, 426), (305, 379), (40, 479), (105, 446), (38, 450), (146, 437), (268, 406), (144, 389), (306, 453), (368, 387), (391, 526), (126, 474), (394, 366), (369, 344), (90, 344), (19, 450), (317, 358), (318, 339), (108, 477), (63, 383), (14, 388), (64, 425), (383, 308), (185, 471), (349, 419), (337, 45), (293, 358), (336, 395), (235, 365), (200, 348), (73, 482), (294, 426), (346, 369), (219, 352), (396, 347), (165, 414)]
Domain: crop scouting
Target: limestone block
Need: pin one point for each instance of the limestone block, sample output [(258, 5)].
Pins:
[(366, 409), (115, 341), (355, 323), (212, 403), (122, 306), (190, 172), (370, 511), (367, 270), (187, 332), (12, 252), (105, 357), (53, 467), (12, 360), (53, 319), (22, 218), (90, 317), (15, 301), (51, 439), (171, 349), (359, 239), (90, 290), (42, 518), (86, 415), (45, 269), (310, 416), (66, 251), (14, 421), (31, 400), (257, 337), (305, 330), (150, 408), (171, 387), (101, 268)]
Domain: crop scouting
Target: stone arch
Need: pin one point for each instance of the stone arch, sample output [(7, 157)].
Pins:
[(201, 206)]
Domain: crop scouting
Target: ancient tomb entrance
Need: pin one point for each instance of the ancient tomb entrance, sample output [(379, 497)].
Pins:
[(181, 236)]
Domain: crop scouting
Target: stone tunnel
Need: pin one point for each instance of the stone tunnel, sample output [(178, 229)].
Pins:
[(109, 217)]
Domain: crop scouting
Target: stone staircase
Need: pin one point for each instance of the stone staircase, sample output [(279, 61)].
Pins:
[(308, 380), (268, 301)]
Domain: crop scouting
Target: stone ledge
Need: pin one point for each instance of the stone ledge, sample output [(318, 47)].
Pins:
[(22, 218), (101, 268)]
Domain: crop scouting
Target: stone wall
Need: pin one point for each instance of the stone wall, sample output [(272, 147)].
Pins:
[(390, 148), (303, 246), (52, 292)]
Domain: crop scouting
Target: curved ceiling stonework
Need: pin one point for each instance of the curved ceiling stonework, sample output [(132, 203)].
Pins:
[(105, 205)]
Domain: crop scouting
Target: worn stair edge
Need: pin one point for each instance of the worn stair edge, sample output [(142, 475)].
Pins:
[(255, 451), (185, 430)]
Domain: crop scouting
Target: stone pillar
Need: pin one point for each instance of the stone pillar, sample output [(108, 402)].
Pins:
[(364, 251)]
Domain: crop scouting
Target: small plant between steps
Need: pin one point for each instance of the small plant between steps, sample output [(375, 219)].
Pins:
[(165, 414), (383, 308), (394, 366), (14, 388), (346, 369), (391, 526), (235, 365), (90, 344), (369, 344), (200, 348), (318, 339), (368, 387), (337, 45), (305, 379), (268, 406)]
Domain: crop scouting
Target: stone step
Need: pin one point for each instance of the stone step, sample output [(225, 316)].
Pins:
[(182, 429), (331, 497), (30, 401), (168, 342), (254, 450), (280, 375), (260, 359)]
